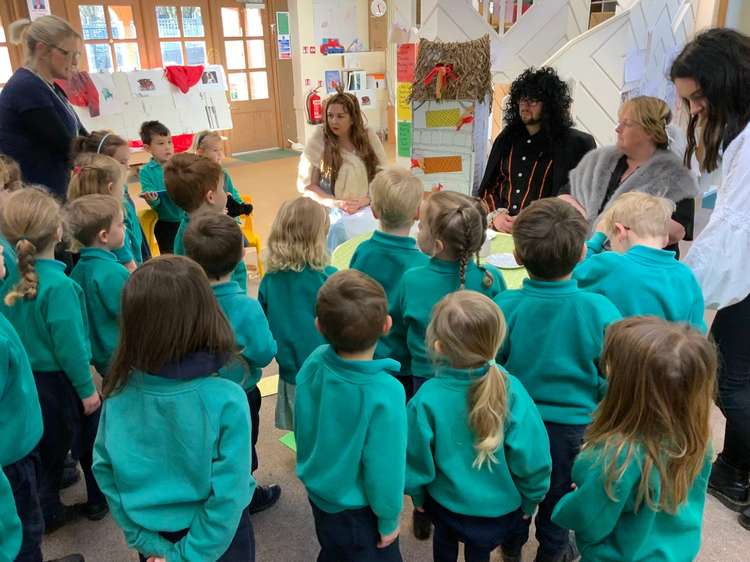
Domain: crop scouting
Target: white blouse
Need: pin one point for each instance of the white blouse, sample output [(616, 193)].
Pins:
[(720, 256)]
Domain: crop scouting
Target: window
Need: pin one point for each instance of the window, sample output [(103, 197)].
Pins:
[(6, 69), (182, 35), (245, 52), (110, 38)]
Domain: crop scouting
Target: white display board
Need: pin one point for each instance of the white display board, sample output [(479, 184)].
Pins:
[(336, 19), (127, 99)]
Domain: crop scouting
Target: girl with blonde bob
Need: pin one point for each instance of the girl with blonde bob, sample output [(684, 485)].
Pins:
[(297, 267), (478, 454), (641, 477)]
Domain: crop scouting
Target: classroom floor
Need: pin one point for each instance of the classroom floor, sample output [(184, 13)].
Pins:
[(285, 533)]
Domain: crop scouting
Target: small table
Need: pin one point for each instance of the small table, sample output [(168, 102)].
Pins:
[(501, 243)]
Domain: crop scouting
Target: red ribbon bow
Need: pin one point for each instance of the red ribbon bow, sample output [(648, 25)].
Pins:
[(441, 74), (415, 163), (465, 119)]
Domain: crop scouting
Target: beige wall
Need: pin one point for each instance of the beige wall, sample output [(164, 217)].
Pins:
[(738, 15)]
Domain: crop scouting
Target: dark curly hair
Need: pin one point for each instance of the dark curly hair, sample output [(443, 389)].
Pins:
[(546, 86)]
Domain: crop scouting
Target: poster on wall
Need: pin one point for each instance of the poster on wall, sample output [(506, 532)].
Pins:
[(148, 83), (213, 79), (283, 38), (110, 100), (406, 61), (332, 80), (38, 8)]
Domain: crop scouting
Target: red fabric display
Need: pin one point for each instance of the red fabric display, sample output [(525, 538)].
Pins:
[(81, 91), (181, 143), (184, 77)]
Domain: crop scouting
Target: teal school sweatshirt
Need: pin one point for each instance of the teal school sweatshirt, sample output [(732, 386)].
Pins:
[(152, 181), (420, 290), (644, 281), (174, 454), (609, 530), (256, 345), (102, 279), (20, 414), (11, 271), (131, 249), (440, 450), (54, 326), (239, 275), (11, 532), (230, 189), (555, 333), (385, 257), (288, 299), (350, 422)]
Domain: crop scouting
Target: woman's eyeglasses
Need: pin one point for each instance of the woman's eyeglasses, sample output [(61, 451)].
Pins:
[(72, 54)]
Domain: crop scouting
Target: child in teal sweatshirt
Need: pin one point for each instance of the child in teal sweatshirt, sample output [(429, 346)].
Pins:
[(177, 474), (452, 229), (639, 277), (97, 223), (641, 479), (296, 269), (478, 457), (196, 185), (351, 425), (157, 140), (214, 241), (555, 336), (48, 311)]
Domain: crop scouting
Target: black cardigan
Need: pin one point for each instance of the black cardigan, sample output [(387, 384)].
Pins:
[(568, 149)]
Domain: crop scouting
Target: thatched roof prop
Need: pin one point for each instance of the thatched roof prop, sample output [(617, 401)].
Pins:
[(453, 71)]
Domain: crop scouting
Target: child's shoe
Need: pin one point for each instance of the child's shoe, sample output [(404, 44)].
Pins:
[(568, 554), (264, 497), (95, 511), (729, 485), (421, 524), (745, 518), (511, 555), (70, 558), (65, 514)]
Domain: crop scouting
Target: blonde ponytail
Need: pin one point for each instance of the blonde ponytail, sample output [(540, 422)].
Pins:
[(30, 220), (466, 331)]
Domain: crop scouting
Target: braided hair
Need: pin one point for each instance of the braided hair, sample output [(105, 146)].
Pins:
[(460, 222)]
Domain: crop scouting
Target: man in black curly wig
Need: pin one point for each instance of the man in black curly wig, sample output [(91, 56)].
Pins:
[(538, 146)]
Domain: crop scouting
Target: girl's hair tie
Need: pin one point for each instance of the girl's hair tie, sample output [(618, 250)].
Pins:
[(76, 170)]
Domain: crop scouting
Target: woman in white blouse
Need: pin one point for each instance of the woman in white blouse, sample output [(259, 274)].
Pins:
[(337, 166), (712, 75)]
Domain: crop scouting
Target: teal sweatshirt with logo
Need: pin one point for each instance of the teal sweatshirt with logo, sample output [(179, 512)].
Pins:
[(152, 181)]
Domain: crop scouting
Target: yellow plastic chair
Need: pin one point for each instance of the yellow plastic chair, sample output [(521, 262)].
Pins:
[(246, 224), (148, 218)]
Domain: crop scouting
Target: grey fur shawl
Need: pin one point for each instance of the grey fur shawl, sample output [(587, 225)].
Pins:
[(663, 175)]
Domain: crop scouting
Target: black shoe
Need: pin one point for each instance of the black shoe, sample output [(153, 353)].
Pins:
[(421, 525), (70, 558), (65, 514), (567, 554), (729, 485), (70, 462), (264, 497), (511, 556), (744, 518), (70, 476), (95, 511)]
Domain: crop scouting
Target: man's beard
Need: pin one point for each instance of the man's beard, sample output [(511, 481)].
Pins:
[(530, 120)]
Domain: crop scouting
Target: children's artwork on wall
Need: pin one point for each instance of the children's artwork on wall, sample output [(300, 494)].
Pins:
[(110, 99), (148, 83), (213, 79), (332, 79), (366, 98), (336, 18), (357, 80)]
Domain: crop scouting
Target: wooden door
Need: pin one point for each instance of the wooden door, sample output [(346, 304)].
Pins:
[(112, 32), (179, 32), (247, 55)]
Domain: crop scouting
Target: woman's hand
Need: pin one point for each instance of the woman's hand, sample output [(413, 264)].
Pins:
[(572, 201), (503, 223), (351, 206)]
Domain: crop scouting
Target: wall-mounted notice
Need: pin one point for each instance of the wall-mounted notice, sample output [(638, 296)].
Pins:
[(38, 8), (283, 38), (404, 139), (403, 107), (406, 62)]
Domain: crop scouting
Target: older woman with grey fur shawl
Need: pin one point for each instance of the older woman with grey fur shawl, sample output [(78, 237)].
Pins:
[(640, 161)]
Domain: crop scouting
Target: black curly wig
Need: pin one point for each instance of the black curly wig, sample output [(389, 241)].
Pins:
[(546, 86)]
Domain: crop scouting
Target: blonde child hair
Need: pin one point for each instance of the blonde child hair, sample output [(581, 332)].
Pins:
[(96, 174), (460, 223), (395, 196), (298, 236), (466, 331), (31, 222), (86, 216), (10, 174), (643, 214), (661, 385), (201, 137)]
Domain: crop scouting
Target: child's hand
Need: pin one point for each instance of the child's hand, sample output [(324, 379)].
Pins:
[(149, 196), (387, 540), (91, 404), (503, 223)]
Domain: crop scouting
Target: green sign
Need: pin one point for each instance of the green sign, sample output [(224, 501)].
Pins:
[(404, 139)]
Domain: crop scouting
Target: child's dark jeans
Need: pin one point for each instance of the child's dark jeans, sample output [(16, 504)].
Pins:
[(23, 476)]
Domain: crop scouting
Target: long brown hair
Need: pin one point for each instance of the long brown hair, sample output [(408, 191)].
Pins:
[(332, 158), (30, 220), (460, 222), (719, 61), (470, 329), (156, 326), (661, 385)]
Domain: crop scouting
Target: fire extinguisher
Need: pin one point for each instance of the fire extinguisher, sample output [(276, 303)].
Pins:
[(314, 107)]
